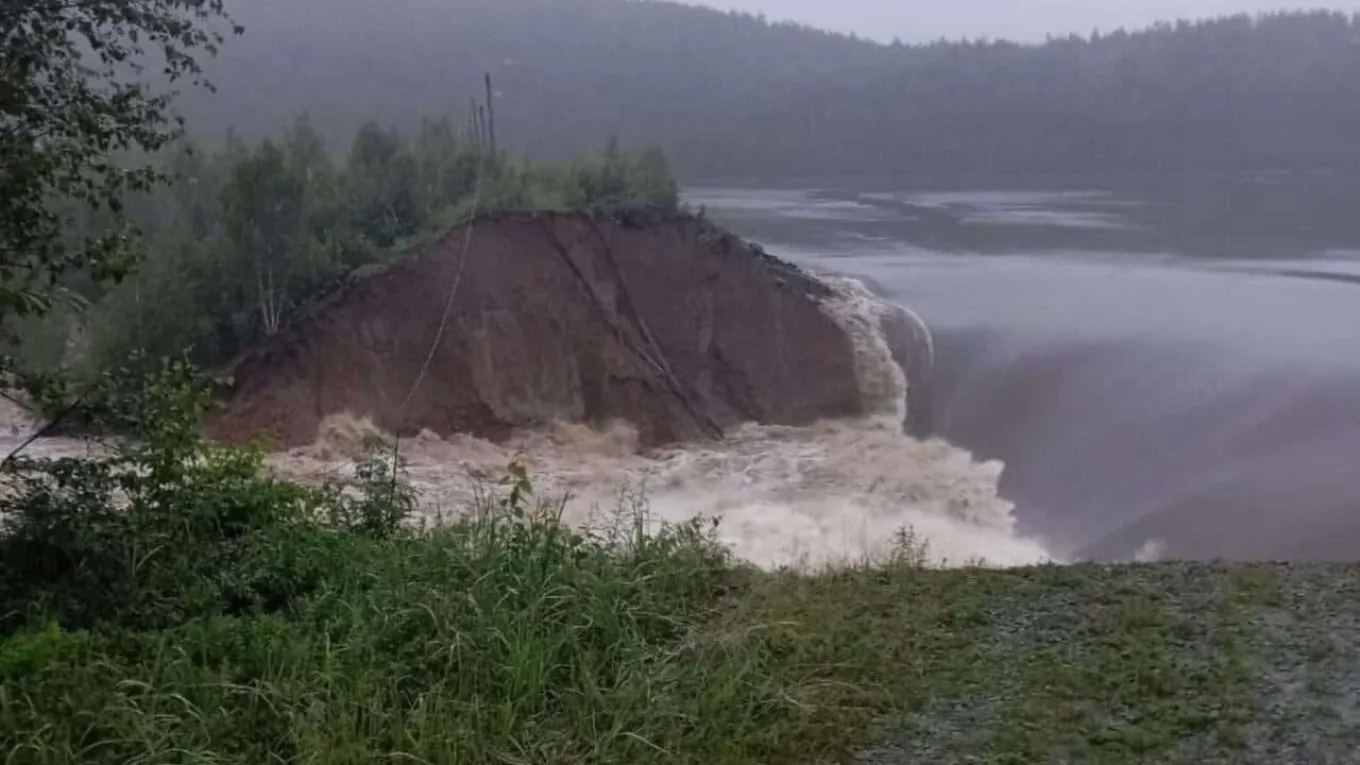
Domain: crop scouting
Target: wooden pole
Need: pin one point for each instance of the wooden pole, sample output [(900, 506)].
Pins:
[(486, 134), (490, 115), (476, 124)]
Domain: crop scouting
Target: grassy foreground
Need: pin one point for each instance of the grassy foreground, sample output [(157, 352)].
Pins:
[(219, 616), (481, 643), (474, 646)]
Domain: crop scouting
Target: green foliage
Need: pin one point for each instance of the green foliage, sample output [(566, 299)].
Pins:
[(382, 186), (28, 652), (541, 645), (171, 602), (613, 178), (383, 500), (163, 528), (262, 218), (72, 108), (653, 179), (247, 237)]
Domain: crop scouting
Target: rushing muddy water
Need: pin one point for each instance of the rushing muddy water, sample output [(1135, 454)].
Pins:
[(828, 494), (1154, 381), (1177, 402)]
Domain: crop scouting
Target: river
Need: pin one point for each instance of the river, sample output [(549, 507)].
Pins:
[(1161, 377)]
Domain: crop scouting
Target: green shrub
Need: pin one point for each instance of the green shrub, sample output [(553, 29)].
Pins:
[(383, 502), (250, 236), (171, 602), (165, 528)]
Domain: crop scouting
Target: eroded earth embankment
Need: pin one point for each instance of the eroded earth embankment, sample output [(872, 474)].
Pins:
[(654, 318)]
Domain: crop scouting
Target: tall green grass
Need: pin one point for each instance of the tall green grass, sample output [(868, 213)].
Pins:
[(173, 603), (491, 640)]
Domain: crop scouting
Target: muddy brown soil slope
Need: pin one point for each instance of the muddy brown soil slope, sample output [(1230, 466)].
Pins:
[(654, 317)]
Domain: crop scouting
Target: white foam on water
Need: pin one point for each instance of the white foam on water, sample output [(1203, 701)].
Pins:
[(828, 494), (882, 383), (833, 493), (18, 426)]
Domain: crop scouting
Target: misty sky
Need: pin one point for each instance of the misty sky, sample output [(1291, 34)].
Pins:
[(917, 20)]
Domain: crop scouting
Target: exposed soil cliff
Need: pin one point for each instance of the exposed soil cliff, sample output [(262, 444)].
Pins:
[(653, 317)]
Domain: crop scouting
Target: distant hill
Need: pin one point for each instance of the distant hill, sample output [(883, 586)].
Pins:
[(731, 94), (1271, 93), (569, 72)]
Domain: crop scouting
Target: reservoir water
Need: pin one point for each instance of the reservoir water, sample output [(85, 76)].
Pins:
[(1161, 376)]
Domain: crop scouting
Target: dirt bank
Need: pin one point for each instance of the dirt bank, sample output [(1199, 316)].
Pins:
[(653, 317)]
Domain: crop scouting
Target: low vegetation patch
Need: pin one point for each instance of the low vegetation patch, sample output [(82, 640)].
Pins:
[(171, 602)]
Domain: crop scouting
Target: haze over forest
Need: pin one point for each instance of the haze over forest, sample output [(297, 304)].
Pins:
[(732, 95), (1019, 20)]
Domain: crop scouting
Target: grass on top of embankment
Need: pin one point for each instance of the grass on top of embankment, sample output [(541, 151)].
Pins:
[(216, 615)]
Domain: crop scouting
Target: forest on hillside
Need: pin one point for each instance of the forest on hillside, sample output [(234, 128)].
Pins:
[(1279, 92), (566, 71), (242, 240), (729, 94), (338, 134)]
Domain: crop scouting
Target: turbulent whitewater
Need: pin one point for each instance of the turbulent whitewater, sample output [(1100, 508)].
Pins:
[(831, 493), (834, 492)]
